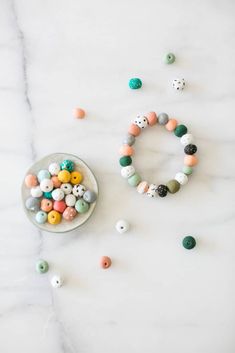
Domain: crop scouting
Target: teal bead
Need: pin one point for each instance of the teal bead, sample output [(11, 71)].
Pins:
[(43, 174), (125, 161), (187, 170), (41, 217), (189, 242), (82, 206), (42, 266), (47, 195), (67, 164), (169, 58), (135, 83), (180, 130), (134, 180)]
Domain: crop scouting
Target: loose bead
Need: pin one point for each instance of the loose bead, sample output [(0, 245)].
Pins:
[(190, 161), (127, 172), (89, 196), (69, 213), (178, 84), (46, 205), (59, 206), (141, 121), (134, 180), (64, 176), (36, 191), (162, 190), (46, 185), (54, 217), (67, 188), (173, 186), (134, 130), (47, 195), (163, 118), (190, 149), (32, 204), (152, 191), (125, 161), (56, 182), (31, 180), (43, 174), (171, 125), (54, 168), (129, 140), (105, 262), (42, 266), (169, 58), (152, 118), (189, 242), (56, 281), (180, 130), (126, 150), (70, 200), (79, 113), (135, 83), (67, 164), (78, 190), (41, 217), (122, 226), (57, 194), (76, 178), (187, 170), (186, 139), (81, 206), (142, 188), (181, 178)]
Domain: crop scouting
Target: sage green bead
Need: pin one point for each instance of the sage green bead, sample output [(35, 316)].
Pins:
[(135, 83), (82, 206), (189, 242), (169, 58), (134, 180), (180, 130), (42, 266), (187, 170), (173, 186), (125, 161)]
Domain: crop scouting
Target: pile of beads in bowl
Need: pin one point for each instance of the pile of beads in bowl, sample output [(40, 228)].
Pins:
[(126, 151), (57, 193)]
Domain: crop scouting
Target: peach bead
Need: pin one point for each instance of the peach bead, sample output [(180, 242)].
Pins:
[(46, 205), (134, 130), (79, 113), (69, 214), (171, 125), (105, 262), (31, 180), (56, 182), (126, 150), (152, 118), (190, 161)]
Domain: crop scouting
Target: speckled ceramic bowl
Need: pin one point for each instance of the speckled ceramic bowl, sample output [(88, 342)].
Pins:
[(89, 181)]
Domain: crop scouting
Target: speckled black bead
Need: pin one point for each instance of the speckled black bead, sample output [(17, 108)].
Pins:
[(162, 190), (190, 149)]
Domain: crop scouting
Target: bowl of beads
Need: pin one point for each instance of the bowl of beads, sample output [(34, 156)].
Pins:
[(59, 193)]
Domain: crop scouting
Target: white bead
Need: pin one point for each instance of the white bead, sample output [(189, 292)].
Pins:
[(178, 84), (36, 191), (152, 190), (67, 188), (181, 178), (70, 200), (46, 185), (186, 139), (122, 226), (141, 121), (57, 194), (78, 190), (142, 188), (54, 168), (56, 281), (128, 171)]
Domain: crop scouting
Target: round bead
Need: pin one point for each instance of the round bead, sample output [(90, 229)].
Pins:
[(178, 84), (43, 174), (135, 83), (190, 161), (173, 186), (190, 149), (105, 262), (36, 191), (46, 205), (70, 200), (187, 170), (126, 150), (47, 195), (152, 191), (134, 180), (46, 185), (141, 121), (64, 176), (54, 168), (32, 204), (56, 182), (69, 213), (41, 217), (181, 178), (163, 118), (79, 113), (189, 242), (142, 188), (89, 196), (59, 206), (122, 226), (127, 172), (152, 118), (134, 130), (129, 140), (180, 130), (67, 164), (169, 58), (171, 125), (78, 190), (76, 178), (186, 139), (31, 180), (162, 190), (57, 194), (125, 161), (54, 217), (56, 281), (67, 188), (42, 266), (81, 206)]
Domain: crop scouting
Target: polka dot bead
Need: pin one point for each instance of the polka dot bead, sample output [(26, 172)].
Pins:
[(128, 171), (78, 190), (69, 214), (178, 84)]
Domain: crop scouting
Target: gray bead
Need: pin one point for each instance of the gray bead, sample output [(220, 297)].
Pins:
[(89, 196), (129, 140), (163, 118), (32, 204)]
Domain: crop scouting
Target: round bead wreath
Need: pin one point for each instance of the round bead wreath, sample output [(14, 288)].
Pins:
[(126, 151)]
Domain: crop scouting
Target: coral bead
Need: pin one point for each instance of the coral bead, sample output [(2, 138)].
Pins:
[(126, 150), (152, 118), (64, 176), (171, 125), (31, 180), (46, 205), (59, 206), (190, 160), (54, 217), (134, 130), (79, 113), (56, 182), (105, 262), (76, 178)]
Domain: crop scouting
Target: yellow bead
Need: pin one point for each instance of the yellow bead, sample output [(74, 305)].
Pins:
[(76, 178), (64, 176), (54, 217)]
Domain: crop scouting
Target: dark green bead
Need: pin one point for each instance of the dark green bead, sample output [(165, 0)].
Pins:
[(135, 83), (125, 161), (189, 242), (180, 130)]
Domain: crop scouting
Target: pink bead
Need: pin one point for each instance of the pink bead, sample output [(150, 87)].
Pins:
[(79, 113), (105, 262), (142, 187), (59, 206), (134, 130), (69, 214), (126, 150), (190, 161), (171, 125), (31, 180), (152, 118)]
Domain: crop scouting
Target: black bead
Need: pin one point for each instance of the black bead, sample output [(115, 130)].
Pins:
[(162, 190), (190, 149)]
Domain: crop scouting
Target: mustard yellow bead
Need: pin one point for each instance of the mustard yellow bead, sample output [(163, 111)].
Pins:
[(54, 217), (64, 176), (76, 178)]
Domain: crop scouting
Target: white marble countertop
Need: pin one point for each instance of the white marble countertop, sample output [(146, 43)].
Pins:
[(157, 297)]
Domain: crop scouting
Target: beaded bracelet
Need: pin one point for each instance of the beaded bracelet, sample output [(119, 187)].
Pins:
[(126, 151)]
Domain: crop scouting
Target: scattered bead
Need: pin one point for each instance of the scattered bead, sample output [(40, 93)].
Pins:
[(180, 130), (178, 84), (31, 180), (46, 205), (152, 191), (59, 206), (122, 226), (56, 281), (169, 58), (56, 182), (54, 168), (64, 176), (126, 150), (32, 204), (105, 262), (134, 130), (186, 139), (57, 194), (134, 180), (125, 161), (162, 190), (69, 213), (67, 164), (190, 161), (89, 196), (181, 178), (142, 188), (42, 266), (79, 113), (171, 125), (141, 121), (163, 118), (41, 217), (187, 170), (152, 118), (43, 174), (67, 188), (78, 190), (70, 200), (81, 206), (46, 185), (76, 178), (135, 83), (189, 242), (127, 172), (54, 217), (190, 149), (173, 186), (36, 191), (129, 140)]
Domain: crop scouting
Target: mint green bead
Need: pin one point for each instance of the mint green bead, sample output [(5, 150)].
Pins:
[(82, 206), (134, 180), (187, 170), (67, 164), (180, 130), (135, 83), (169, 58), (42, 266)]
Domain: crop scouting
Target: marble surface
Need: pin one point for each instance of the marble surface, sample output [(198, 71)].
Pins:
[(157, 297)]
